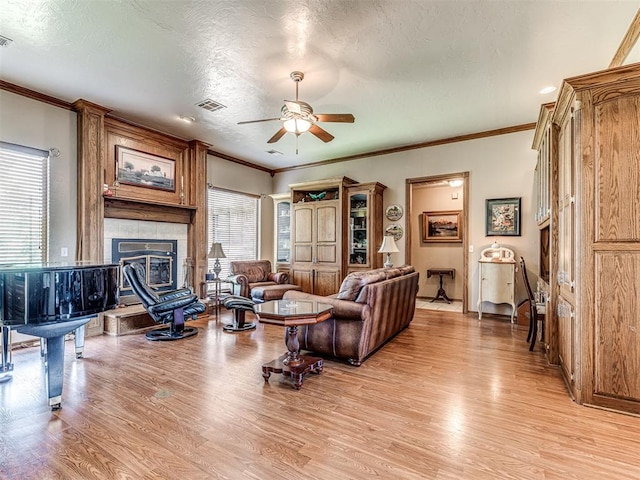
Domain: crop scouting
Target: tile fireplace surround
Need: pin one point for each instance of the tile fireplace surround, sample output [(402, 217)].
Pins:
[(119, 228)]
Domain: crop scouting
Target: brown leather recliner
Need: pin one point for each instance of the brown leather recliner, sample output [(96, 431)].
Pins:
[(249, 274)]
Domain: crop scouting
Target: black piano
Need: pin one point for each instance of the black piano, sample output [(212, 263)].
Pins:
[(49, 301)]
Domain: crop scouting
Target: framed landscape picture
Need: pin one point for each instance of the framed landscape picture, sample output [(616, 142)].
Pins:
[(445, 226), (145, 170), (503, 217)]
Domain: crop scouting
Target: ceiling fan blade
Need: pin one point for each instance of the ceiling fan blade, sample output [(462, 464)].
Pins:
[(257, 121), (335, 117), (293, 106), (321, 134), (278, 135)]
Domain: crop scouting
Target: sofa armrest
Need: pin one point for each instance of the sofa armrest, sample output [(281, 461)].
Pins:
[(278, 277), (240, 284), (343, 309)]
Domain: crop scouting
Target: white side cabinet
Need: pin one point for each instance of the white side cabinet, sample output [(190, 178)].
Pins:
[(497, 276)]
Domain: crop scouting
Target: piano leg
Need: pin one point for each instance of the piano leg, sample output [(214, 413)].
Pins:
[(53, 335), (79, 341), (54, 369), (5, 366)]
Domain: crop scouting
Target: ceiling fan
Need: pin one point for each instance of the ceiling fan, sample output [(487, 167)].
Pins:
[(298, 118)]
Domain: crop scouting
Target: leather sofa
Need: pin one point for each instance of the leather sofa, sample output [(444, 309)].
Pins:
[(369, 310), (254, 279)]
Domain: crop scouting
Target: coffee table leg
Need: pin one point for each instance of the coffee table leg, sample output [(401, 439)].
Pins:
[(293, 346)]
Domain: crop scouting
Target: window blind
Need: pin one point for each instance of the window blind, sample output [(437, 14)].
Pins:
[(24, 204), (233, 222)]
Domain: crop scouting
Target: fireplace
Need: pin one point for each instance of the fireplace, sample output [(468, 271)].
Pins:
[(158, 258)]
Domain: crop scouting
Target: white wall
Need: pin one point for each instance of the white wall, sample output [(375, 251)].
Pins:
[(36, 124), (500, 166)]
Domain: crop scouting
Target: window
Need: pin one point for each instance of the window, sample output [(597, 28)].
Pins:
[(233, 222), (24, 204)]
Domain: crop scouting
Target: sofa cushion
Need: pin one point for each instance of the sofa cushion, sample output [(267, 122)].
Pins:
[(354, 282)]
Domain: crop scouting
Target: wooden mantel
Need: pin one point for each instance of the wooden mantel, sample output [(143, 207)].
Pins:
[(99, 137)]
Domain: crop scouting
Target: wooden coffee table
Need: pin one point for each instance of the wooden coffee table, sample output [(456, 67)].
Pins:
[(291, 314)]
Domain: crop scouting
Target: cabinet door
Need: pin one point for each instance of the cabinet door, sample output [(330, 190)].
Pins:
[(497, 282), (566, 209), (359, 238), (283, 232)]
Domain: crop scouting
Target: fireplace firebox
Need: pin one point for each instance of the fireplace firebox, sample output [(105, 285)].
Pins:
[(158, 258)]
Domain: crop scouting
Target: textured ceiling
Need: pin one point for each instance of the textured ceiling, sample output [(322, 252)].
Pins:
[(409, 71)]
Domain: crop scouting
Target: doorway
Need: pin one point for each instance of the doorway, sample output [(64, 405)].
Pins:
[(437, 226)]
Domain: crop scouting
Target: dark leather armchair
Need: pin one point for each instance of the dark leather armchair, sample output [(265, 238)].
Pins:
[(169, 307)]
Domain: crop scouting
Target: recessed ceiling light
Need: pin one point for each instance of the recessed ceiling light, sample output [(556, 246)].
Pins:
[(548, 89), (187, 119)]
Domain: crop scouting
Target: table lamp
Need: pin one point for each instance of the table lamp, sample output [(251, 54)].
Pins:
[(217, 253), (388, 246)]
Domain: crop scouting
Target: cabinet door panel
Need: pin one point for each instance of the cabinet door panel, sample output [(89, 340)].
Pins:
[(326, 254), (497, 282), (303, 220), (303, 253), (326, 227), (618, 167), (617, 349), (303, 278), (327, 282)]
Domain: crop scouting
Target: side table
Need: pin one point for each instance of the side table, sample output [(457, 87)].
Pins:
[(215, 297), (441, 271), (291, 314)]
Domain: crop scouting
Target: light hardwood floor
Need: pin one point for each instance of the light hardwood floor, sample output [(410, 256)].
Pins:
[(450, 398)]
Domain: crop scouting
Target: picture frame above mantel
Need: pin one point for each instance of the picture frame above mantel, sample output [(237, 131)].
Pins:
[(140, 169)]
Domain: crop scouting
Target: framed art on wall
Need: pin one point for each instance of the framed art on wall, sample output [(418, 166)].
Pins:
[(145, 170), (503, 217), (445, 226)]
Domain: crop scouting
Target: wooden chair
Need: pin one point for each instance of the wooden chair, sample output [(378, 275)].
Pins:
[(533, 310)]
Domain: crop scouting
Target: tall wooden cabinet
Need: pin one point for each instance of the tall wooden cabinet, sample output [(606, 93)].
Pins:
[(364, 229), (596, 267), (336, 228)]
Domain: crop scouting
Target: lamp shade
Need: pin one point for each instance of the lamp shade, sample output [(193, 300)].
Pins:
[(388, 245), (216, 251)]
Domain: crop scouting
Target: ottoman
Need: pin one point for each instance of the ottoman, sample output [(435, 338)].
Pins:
[(271, 292)]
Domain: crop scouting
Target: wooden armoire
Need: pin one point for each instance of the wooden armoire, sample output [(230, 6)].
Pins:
[(323, 231), (594, 278)]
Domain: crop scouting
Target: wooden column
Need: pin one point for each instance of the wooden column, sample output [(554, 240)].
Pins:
[(195, 177), (90, 228)]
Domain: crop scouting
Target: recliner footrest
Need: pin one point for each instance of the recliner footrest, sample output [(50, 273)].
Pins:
[(239, 305)]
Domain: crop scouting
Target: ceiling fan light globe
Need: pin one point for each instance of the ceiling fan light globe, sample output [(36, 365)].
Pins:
[(296, 125)]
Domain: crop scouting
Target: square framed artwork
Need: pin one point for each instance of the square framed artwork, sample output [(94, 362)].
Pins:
[(503, 217)]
